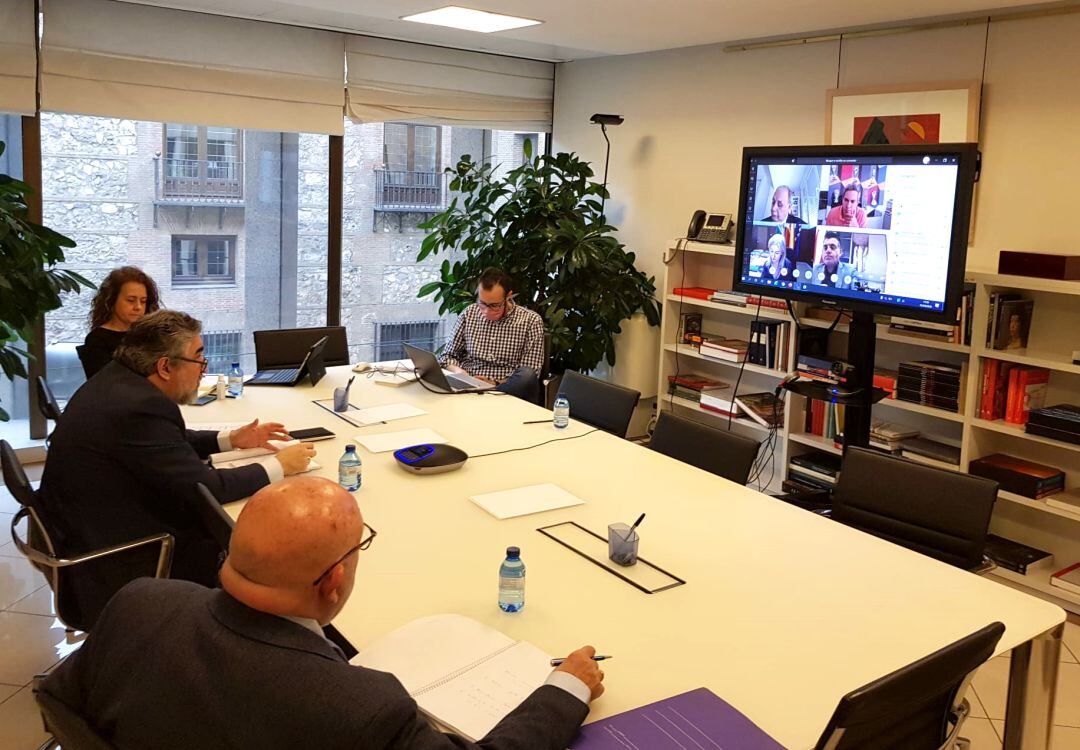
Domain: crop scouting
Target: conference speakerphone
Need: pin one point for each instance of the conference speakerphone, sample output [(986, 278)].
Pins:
[(430, 458)]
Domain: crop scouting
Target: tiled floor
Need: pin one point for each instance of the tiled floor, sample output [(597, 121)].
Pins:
[(32, 641)]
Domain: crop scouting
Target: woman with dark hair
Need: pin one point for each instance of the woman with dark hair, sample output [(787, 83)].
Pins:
[(125, 296)]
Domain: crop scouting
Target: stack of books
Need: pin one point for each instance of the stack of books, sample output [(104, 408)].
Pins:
[(1009, 391), (825, 419), (727, 350), (816, 470), (769, 344), (697, 292), (692, 385), (1019, 476), (951, 333), (725, 297), (776, 304), (886, 380), (931, 452), (1067, 579), (1017, 557), (930, 383), (889, 437), (764, 408), (717, 404), (1060, 422), (818, 369)]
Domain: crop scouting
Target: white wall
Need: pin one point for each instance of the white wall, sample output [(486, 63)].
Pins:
[(689, 112)]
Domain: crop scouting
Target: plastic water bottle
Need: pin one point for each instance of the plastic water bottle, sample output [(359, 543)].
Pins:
[(221, 390), (512, 582), (348, 469), (562, 411), (236, 381)]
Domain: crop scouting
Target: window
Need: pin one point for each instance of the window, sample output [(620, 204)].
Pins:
[(426, 334), (410, 181), (203, 260), (202, 165), (520, 139), (221, 349)]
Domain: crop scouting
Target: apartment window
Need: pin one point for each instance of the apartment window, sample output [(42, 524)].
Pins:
[(221, 349), (411, 181), (411, 148), (392, 337), (203, 260), (202, 164)]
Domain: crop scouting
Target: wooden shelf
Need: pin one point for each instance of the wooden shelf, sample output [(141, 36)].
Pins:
[(708, 248), (688, 404), (1034, 359), (1029, 283), (751, 310), (1017, 431), (689, 351), (1039, 505), (930, 411), (1040, 583), (884, 335), (814, 441)]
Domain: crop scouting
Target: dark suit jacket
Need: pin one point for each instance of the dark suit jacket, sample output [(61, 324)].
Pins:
[(172, 665), (121, 466)]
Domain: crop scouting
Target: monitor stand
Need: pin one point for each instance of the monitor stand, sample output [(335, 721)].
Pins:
[(862, 339)]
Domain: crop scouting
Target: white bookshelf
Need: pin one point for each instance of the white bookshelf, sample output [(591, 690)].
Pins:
[(1055, 321)]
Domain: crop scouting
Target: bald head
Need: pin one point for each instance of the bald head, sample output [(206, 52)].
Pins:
[(288, 534)]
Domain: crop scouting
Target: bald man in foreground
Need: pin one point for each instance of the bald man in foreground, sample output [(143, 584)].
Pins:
[(171, 664)]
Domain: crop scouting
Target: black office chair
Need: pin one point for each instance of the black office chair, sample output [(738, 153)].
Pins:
[(286, 347), (720, 452), (603, 405), (219, 526), (47, 402), (69, 728), (939, 513), (80, 591), (917, 707)]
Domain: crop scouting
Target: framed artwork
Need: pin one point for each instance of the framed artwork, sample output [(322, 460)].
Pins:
[(901, 115)]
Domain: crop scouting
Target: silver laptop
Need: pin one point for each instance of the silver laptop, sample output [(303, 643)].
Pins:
[(428, 369)]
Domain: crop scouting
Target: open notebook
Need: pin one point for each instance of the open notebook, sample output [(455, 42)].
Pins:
[(461, 673)]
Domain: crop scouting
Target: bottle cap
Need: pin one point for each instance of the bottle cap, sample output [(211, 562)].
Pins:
[(513, 552), (350, 447), (235, 364), (560, 394)]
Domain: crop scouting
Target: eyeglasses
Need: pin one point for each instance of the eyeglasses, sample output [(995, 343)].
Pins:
[(493, 305), (202, 363), (364, 544)]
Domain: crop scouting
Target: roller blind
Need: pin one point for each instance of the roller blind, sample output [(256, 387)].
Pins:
[(101, 57), (391, 80), (18, 62)]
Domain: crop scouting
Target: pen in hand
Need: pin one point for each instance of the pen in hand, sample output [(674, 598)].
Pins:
[(557, 662)]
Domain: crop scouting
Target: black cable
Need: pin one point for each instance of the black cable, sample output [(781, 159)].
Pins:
[(537, 445), (742, 365), (607, 157)]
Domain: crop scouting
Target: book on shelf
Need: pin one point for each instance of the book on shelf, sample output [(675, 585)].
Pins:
[(952, 333), (470, 682), (810, 475), (685, 393), (691, 328), (738, 299), (889, 437), (1054, 434), (728, 350), (1065, 417), (817, 368), (710, 401), (920, 447), (931, 383), (1067, 579), (1017, 557), (768, 344), (1012, 323), (764, 408), (885, 379), (921, 459), (796, 486), (696, 382), (697, 292), (819, 461), (1027, 391), (824, 419), (1019, 476), (996, 299), (1069, 501), (773, 302)]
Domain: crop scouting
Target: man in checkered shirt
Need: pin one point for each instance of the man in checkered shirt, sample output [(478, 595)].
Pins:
[(498, 341)]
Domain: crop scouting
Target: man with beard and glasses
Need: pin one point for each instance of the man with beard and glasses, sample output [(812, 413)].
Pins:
[(122, 465)]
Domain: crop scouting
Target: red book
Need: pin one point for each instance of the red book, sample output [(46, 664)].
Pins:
[(986, 400), (698, 292), (1013, 394), (1031, 392), (1001, 389)]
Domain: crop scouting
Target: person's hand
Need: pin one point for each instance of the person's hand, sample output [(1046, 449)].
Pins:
[(295, 458), (486, 380), (456, 370), (581, 665), (257, 435)]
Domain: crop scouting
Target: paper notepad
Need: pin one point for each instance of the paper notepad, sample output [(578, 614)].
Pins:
[(234, 459), (373, 414), (460, 672), (391, 441), (535, 498)]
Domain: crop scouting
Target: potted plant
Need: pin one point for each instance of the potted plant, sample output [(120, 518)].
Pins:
[(543, 224), (30, 283)]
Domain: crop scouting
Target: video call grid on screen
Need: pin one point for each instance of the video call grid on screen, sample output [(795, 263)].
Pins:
[(876, 228)]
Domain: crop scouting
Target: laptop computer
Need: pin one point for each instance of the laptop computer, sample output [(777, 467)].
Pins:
[(428, 369), (312, 366)]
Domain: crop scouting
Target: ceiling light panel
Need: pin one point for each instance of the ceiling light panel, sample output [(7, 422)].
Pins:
[(456, 17)]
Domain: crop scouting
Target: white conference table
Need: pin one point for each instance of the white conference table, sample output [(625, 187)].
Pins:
[(783, 611)]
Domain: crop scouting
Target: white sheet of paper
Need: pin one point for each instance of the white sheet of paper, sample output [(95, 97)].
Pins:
[(391, 441), (536, 498), (388, 413), (215, 426)]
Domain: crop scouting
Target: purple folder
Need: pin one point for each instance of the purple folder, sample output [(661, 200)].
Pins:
[(698, 720)]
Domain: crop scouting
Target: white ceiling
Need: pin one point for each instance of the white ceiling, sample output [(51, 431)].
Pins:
[(576, 29)]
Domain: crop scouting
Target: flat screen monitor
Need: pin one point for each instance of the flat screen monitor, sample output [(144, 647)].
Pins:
[(882, 229)]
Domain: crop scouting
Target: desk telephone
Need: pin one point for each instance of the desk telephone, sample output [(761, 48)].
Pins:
[(708, 227)]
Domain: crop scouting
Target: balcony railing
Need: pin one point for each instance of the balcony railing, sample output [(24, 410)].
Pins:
[(409, 191), (209, 182)]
